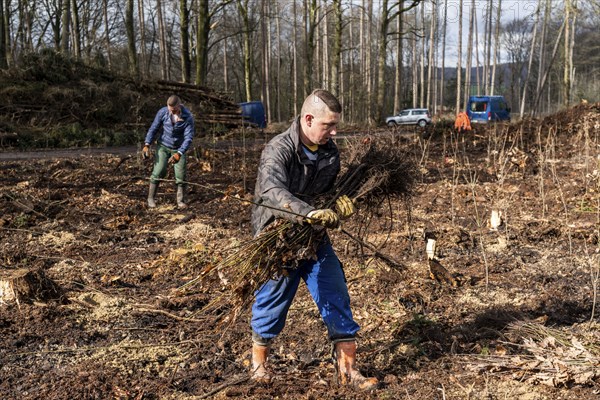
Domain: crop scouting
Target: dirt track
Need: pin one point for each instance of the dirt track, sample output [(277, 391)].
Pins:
[(121, 331), (65, 153)]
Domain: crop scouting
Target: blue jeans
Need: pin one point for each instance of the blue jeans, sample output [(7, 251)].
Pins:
[(326, 283), (161, 162)]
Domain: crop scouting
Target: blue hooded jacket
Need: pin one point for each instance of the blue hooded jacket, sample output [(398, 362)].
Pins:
[(176, 136)]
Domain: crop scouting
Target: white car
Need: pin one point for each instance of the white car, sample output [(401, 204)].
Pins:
[(410, 116)]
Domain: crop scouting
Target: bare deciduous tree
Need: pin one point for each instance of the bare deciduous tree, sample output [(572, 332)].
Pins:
[(247, 56), (184, 29), (76, 29), (65, 21), (459, 58), (390, 11), (310, 25), (336, 59), (3, 36), (131, 47)]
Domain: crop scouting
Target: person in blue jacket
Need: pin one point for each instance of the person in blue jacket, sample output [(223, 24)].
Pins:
[(173, 129)]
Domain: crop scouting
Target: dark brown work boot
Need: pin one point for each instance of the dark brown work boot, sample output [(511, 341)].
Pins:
[(259, 371), (345, 364)]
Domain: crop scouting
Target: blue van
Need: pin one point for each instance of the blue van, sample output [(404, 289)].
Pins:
[(484, 109)]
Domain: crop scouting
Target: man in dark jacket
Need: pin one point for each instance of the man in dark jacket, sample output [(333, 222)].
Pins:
[(295, 167), (173, 127)]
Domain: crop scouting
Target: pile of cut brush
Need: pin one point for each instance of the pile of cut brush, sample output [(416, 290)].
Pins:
[(541, 354), (373, 171)]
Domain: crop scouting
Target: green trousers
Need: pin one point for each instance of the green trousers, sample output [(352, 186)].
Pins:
[(161, 162)]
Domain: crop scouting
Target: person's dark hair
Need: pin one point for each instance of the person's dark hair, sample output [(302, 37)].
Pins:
[(174, 101), (329, 99)]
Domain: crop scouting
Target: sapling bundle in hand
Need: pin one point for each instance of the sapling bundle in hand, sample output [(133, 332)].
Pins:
[(373, 171)]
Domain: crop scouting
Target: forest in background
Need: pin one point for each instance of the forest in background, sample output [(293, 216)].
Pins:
[(542, 60)]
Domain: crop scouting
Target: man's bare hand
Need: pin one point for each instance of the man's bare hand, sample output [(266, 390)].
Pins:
[(175, 158)]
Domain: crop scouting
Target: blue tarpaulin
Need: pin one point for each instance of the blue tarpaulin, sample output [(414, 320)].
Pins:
[(254, 111)]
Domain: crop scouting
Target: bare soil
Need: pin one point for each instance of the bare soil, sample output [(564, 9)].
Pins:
[(516, 321)]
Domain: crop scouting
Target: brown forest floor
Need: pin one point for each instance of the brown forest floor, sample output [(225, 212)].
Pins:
[(516, 325)]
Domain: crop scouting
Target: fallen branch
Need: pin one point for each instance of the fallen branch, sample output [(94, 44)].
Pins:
[(170, 315), (387, 258), (224, 386)]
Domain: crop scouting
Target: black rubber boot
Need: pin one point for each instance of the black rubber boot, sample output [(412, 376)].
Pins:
[(151, 194), (181, 196)]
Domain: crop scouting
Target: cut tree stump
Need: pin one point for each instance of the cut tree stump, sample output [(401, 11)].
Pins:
[(27, 286)]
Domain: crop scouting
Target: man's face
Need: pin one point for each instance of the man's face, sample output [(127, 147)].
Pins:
[(175, 110), (322, 128)]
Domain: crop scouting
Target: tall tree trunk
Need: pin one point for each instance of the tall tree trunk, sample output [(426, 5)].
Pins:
[(309, 40), (203, 29), (545, 76), (325, 46), (106, 33), (317, 53), (459, 60), (186, 62), (3, 57), (566, 52), (54, 20), (477, 61), (399, 63), (130, 29), (443, 68), (385, 21), (76, 29), (368, 66), (269, 61), (265, 48), (23, 39), (430, 82), (349, 99), (225, 66), (488, 41), (362, 44), (571, 47), (422, 42), (542, 53), (295, 59), (162, 41), (469, 54), (144, 69), (487, 46), (65, 21), (279, 59), (31, 10), (243, 9), (496, 45), (415, 69), (531, 53), (336, 61)]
